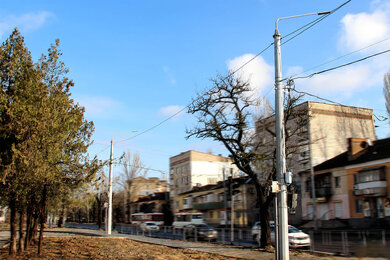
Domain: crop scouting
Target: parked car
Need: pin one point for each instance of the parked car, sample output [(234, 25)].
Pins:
[(256, 229), (149, 226), (296, 237), (201, 231)]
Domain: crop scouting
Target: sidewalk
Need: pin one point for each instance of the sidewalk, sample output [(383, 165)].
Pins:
[(225, 250)]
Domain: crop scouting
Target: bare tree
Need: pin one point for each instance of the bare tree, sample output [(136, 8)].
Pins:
[(225, 114), (386, 91), (132, 167)]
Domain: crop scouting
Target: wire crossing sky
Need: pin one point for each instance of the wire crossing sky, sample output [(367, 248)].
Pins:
[(137, 64)]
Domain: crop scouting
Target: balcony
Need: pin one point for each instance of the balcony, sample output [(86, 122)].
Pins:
[(209, 205), (370, 189), (324, 192)]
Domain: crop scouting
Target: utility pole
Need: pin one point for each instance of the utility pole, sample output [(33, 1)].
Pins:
[(109, 215), (282, 221), (231, 212), (282, 250), (224, 197)]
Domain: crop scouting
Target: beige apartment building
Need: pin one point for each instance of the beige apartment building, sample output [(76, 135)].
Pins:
[(194, 169), (240, 206), (352, 188), (317, 132), (141, 187)]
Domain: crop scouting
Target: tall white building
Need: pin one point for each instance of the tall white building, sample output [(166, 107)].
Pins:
[(192, 168)]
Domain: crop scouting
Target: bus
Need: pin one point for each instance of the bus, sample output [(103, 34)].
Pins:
[(139, 218), (183, 219)]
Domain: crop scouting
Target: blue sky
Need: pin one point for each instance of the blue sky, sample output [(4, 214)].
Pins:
[(135, 63)]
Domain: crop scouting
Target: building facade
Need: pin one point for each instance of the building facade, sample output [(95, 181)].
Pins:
[(316, 132), (141, 187), (194, 169), (220, 203), (354, 186)]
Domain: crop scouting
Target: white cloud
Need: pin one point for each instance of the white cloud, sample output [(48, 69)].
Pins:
[(357, 31), (342, 82), (25, 22), (99, 106), (362, 29), (170, 110), (257, 72)]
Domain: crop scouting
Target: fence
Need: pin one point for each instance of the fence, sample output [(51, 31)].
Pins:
[(346, 242), (373, 243)]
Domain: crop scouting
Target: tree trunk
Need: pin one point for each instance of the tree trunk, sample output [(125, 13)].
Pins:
[(27, 239), (99, 212), (12, 246), (42, 219), (34, 229), (21, 231), (265, 239)]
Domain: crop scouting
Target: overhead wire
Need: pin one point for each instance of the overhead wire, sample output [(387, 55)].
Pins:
[(184, 108), (139, 167), (340, 66), (338, 58), (309, 25)]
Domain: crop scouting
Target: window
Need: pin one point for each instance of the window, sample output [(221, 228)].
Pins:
[(379, 206), (373, 174), (211, 215), (337, 181), (367, 209), (358, 206), (338, 210)]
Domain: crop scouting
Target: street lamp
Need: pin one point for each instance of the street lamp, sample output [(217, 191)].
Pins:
[(282, 250), (109, 215)]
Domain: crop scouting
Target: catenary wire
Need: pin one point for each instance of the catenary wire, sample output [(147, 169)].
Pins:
[(340, 66), (338, 58), (230, 75), (311, 24), (184, 108)]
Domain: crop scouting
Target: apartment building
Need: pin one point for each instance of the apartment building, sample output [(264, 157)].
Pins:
[(194, 169), (353, 187), (316, 132), (216, 200), (141, 187)]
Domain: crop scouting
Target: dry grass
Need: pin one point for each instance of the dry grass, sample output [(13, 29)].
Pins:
[(105, 248)]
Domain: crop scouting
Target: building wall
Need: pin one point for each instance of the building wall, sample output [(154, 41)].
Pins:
[(340, 195), (193, 168), (331, 126), (385, 199), (324, 136)]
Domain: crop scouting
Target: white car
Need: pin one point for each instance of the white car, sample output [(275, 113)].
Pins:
[(149, 226), (256, 229), (296, 237)]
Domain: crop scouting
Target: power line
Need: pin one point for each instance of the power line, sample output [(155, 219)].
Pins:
[(378, 117), (338, 58), (140, 167), (312, 23), (235, 71), (184, 108), (315, 96), (340, 66)]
